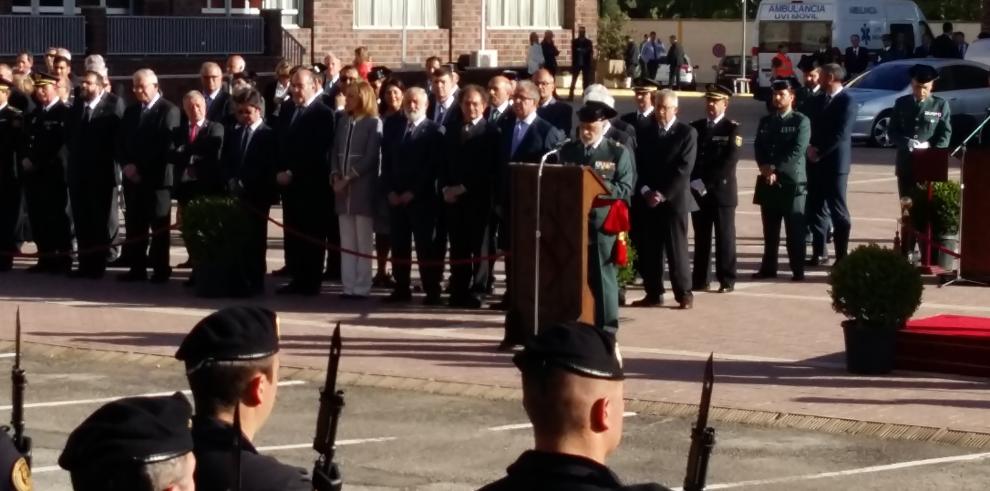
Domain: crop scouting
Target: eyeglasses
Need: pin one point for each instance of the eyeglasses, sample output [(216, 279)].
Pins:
[(543, 83)]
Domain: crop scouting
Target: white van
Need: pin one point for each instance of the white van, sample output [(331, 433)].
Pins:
[(802, 25)]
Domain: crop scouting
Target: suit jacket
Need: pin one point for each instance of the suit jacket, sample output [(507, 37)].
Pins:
[(11, 135), (550, 53), (944, 47), (356, 155), (21, 101), (410, 160), (200, 157), (304, 145), (93, 142), (675, 55), (857, 63), (451, 118), (471, 160), (582, 52), (646, 131), (273, 105), (715, 164), (559, 114), (540, 138), (617, 124), (505, 117), (220, 110), (147, 140), (831, 134), (669, 161), (250, 173), (45, 142)]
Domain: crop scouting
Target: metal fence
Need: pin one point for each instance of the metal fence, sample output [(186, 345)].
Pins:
[(35, 33), (292, 50), (145, 35)]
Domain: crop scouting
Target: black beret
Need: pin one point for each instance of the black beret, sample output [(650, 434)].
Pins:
[(593, 111), (239, 333), (129, 432), (576, 347), (42, 79), (645, 85), (923, 73), (717, 91), (15, 474), (784, 84), (379, 73)]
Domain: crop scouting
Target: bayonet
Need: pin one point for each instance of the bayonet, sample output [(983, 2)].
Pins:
[(326, 474), (18, 382), (702, 435)]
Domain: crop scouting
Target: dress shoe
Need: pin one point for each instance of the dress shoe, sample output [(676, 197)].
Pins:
[(37, 268), (798, 277), (398, 296), (133, 275), (120, 262), (686, 303), (700, 288), (465, 302), (161, 276), (287, 289), (184, 265), (762, 275), (500, 305), (817, 261), (281, 272), (433, 300), (726, 289), (507, 346), (648, 301), (382, 280), (352, 296), (333, 276)]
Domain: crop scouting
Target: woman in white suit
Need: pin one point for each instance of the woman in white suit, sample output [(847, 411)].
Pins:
[(354, 167)]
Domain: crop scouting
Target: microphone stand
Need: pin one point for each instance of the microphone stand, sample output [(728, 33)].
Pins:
[(536, 277), (962, 195)]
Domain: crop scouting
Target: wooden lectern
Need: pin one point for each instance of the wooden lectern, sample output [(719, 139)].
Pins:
[(974, 262), (566, 197), (930, 165)]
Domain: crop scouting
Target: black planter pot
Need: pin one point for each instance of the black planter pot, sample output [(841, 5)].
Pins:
[(869, 349), (220, 280)]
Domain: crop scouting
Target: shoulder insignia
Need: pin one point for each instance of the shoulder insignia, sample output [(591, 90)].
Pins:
[(14, 110), (20, 475), (739, 140), (734, 122)]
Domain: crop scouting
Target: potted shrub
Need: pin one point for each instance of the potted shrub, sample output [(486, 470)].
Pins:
[(611, 41), (214, 230), (944, 216), (877, 290)]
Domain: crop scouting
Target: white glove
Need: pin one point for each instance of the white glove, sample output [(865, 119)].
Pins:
[(699, 186), (922, 145), (913, 144)]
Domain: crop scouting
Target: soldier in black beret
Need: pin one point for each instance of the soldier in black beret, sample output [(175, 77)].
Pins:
[(573, 394), (133, 444), (231, 360), (15, 473)]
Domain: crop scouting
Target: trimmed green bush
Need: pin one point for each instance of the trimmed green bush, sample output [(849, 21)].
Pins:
[(876, 287)]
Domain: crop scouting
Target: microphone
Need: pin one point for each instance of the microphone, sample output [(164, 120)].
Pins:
[(552, 151)]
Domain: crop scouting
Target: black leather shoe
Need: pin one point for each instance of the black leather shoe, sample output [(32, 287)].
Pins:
[(816, 261), (159, 277), (500, 305), (762, 275), (798, 277), (398, 297), (281, 272), (287, 289), (686, 303), (37, 268), (433, 300), (133, 275), (184, 265), (726, 289), (648, 301), (465, 302), (700, 288)]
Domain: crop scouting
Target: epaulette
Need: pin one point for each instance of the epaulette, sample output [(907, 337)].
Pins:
[(734, 122), (14, 109)]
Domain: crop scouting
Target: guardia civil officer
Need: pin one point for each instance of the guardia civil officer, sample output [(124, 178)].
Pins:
[(232, 360), (781, 144), (613, 163), (11, 133), (572, 383), (133, 444), (920, 120), (43, 176), (713, 183)]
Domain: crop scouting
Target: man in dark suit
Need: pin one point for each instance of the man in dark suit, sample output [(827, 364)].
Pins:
[(645, 127), (412, 148), (145, 143), (94, 122), (499, 109), (444, 109), (713, 183), (11, 134), (582, 61), (525, 139), (944, 46), (857, 57), (250, 156), (467, 188), (663, 189), (675, 58), (217, 100), (43, 175), (558, 113), (305, 128), (829, 158)]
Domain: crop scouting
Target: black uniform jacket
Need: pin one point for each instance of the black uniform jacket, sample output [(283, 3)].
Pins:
[(543, 471)]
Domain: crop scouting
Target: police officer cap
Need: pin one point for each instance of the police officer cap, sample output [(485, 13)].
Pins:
[(923, 73), (15, 475), (784, 84), (379, 73), (510, 74), (5, 84), (576, 347), (645, 85), (231, 334), (717, 91), (43, 79), (593, 111), (129, 432)]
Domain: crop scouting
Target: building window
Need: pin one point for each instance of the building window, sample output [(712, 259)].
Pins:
[(525, 13), (64, 7), (390, 14), (291, 14)]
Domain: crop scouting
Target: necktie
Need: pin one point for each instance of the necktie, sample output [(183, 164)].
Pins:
[(711, 124), (409, 131), (517, 135), (828, 98), (493, 116), (209, 102), (193, 131), (87, 114), (245, 139), (295, 114), (587, 153), (440, 111)]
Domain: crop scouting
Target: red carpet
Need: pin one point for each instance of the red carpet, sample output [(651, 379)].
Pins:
[(946, 344)]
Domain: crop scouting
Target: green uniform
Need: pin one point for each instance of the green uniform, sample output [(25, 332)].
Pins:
[(925, 121), (781, 143), (613, 162)]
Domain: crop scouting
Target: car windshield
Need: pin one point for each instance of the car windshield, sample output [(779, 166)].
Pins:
[(884, 77)]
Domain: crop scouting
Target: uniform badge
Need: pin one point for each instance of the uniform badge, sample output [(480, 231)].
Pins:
[(604, 166), (20, 475), (739, 141)]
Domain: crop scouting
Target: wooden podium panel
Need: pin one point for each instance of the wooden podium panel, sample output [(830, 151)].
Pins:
[(567, 195), (975, 244)]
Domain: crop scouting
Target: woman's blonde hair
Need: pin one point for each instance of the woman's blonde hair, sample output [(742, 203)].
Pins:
[(366, 94), (361, 54)]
